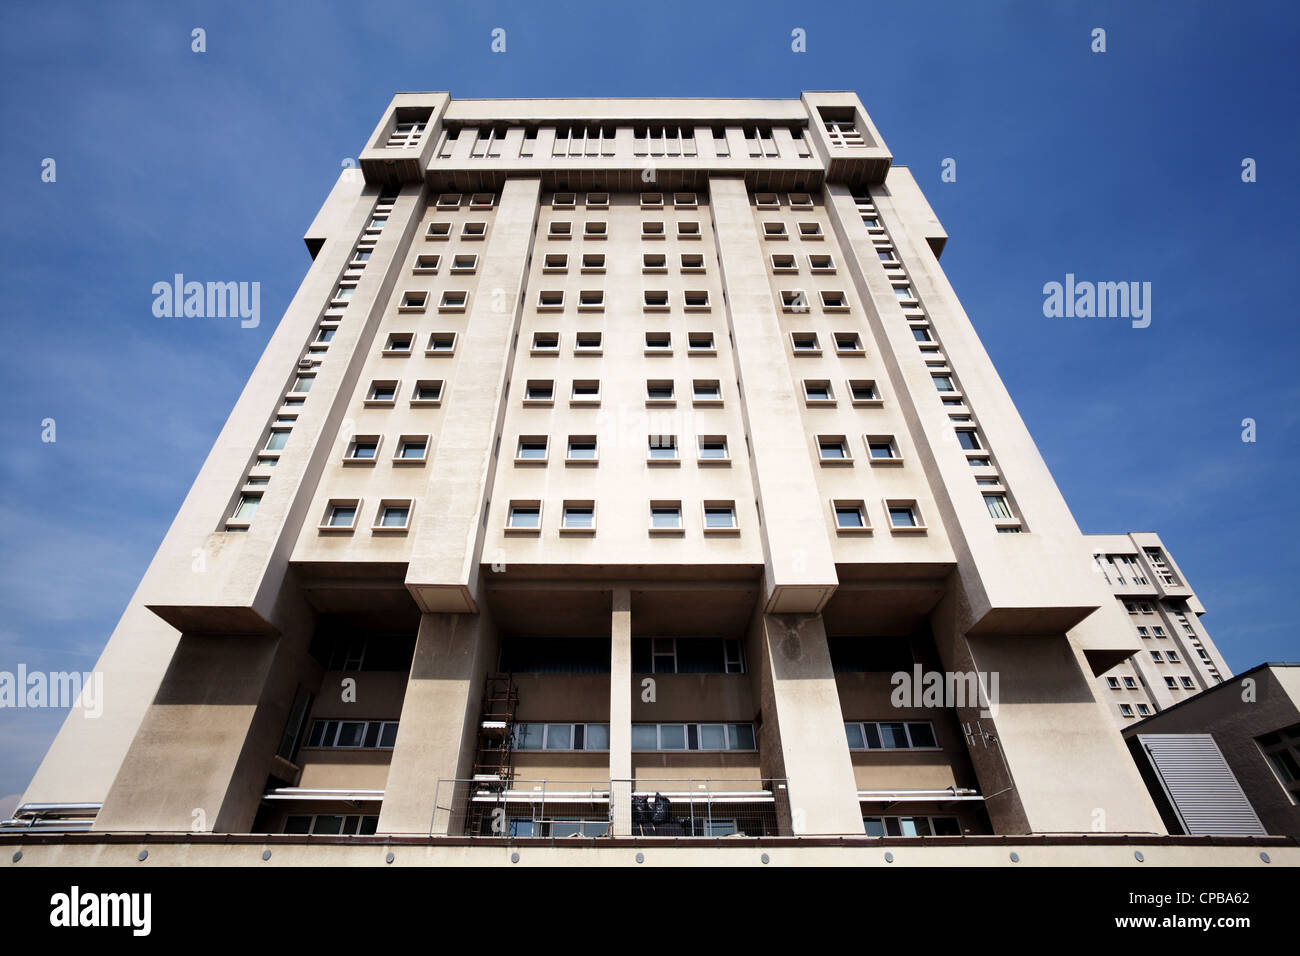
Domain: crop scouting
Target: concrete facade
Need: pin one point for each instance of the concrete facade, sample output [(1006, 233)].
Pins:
[(1178, 658), (666, 410)]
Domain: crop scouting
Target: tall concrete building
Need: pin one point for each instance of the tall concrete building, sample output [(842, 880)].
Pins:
[(1178, 659), (612, 458)]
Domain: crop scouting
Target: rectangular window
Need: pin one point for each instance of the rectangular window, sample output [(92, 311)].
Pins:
[(719, 516), (524, 516), (582, 448), (850, 516), (666, 516), (713, 448), (891, 735), (832, 448), (670, 737), (531, 448), (579, 516), (663, 448)]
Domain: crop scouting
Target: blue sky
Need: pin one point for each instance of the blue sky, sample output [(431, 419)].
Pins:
[(1124, 165)]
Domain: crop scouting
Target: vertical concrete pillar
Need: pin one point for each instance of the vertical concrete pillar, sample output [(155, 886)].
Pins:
[(807, 735), (620, 713), (796, 548), (438, 730)]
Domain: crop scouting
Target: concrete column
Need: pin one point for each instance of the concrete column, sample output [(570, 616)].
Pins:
[(796, 548), (447, 545), (438, 731), (803, 728), (620, 712), (206, 745)]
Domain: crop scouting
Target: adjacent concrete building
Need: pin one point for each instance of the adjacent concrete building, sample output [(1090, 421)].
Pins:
[(1178, 659), (612, 458), (1254, 722)]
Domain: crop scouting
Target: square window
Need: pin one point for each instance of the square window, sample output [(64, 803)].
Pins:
[(582, 448), (591, 300), (850, 516), (363, 448), (597, 200), (685, 200), (848, 343), (413, 301), (398, 343), (464, 263), (783, 262), (656, 300), (833, 449), (428, 391), (883, 449), (412, 448), (818, 392), (692, 262), (279, 437), (341, 514), (587, 343), (449, 201), (556, 262), (800, 201), (767, 200), (482, 201), (473, 230), (438, 230), (593, 262), (713, 449), (665, 516), (794, 300), (382, 392), (539, 390), (579, 516), (821, 264), (585, 392), (550, 300), (654, 262), (658, 342), (302, 384), (524, 516), (968, 439), (700, 342), (707, 391), (904, 516), (663, 448), (697, 301), (903, 293), (564, 200), (805, 343), (546, 343), (453, 301), (834, 302), (441, 343), (559, 229), (531, 448), (652, 200), (720, 516), (921, 333), (688, 230), (659, 391), (774, 230), (864, 392), (595, 229), (652, 230), (393, 516), (810, 230), (427, 264)]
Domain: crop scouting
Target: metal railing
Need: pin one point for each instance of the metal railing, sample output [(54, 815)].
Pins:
[(642, 807)]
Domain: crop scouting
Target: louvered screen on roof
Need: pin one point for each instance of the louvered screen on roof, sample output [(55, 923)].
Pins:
[(1200, 784)]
